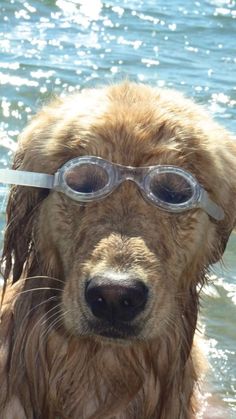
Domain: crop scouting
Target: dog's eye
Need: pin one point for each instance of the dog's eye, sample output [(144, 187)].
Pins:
[(171, 188), (86, 178)]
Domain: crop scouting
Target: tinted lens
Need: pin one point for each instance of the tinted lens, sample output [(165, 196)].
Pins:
[(86, 178), (171, 188)]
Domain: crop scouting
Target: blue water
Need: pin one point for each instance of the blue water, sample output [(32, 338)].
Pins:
[(50, 47)]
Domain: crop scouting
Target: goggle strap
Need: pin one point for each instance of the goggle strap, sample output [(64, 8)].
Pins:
[(211, 208), (18, 177)]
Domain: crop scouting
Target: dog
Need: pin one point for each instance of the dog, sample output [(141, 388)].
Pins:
[(106, 252)]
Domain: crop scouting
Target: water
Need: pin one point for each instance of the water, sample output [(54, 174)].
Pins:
[(50, 47)]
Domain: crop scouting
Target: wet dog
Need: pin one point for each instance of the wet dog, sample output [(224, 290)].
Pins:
[(103, 267)]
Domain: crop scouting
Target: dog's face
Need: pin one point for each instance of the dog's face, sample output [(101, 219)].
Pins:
[(128, 267), (130, 270)]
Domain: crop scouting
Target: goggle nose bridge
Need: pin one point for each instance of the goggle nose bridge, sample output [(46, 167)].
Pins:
[(134, 174)]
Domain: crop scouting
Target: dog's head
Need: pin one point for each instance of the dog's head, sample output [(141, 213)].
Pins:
[(130, 270)]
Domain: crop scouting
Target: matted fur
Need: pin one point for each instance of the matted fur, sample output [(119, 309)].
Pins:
[(53, 364)]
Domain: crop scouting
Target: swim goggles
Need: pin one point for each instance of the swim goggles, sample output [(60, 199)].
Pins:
[(90, 178)]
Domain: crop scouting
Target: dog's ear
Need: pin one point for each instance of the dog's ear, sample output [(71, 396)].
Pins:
[(44, 145), (24, 201), (224, 155)]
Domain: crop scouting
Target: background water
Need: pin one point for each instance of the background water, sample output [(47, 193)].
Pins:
[(58, 46)]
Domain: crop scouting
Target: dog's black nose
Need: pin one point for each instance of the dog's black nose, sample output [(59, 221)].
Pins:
[(114, 300)]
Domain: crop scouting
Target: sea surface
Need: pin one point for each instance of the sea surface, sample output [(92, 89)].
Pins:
[(54, 47)]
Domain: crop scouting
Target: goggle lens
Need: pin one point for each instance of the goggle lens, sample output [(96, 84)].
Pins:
[(86, 178), (170, 188)]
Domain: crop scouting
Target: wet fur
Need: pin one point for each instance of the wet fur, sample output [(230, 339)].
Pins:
[(52, 362)]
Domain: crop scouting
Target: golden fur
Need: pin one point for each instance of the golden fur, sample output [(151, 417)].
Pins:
[(52, 364)]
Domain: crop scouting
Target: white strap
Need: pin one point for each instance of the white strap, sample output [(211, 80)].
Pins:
[(210, 207), (18, 177)]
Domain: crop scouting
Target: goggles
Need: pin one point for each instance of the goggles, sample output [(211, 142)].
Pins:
[(90, 178)]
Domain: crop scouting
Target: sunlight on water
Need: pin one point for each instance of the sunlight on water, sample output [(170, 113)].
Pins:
[(3, 198), (90, 9)]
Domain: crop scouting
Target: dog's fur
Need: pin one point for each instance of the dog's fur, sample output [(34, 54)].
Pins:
[(53, 363)]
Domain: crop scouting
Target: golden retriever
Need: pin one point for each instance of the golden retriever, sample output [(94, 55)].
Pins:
[(101, 297)]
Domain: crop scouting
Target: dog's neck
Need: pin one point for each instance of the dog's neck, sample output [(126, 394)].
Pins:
[(64, 376), (96, 380), (87, 379)]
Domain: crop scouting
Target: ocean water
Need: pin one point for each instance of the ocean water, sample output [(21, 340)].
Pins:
[(54, 47)]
